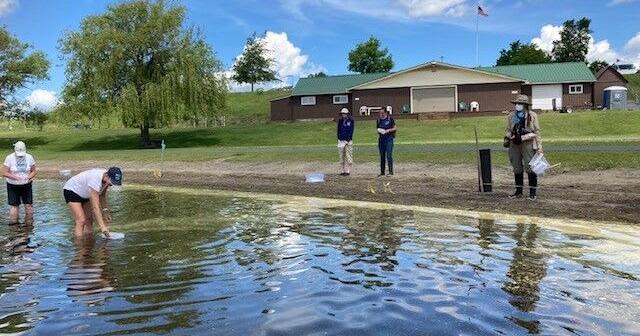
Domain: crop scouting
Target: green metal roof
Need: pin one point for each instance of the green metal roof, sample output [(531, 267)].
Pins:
[(332, 84), (546, 73)]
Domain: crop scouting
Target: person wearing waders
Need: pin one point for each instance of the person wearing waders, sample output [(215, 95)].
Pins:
[(523, 139), (19, 169), (386, 133), (345, 141)]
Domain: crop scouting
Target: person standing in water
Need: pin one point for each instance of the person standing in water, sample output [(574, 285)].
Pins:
[(387, 132), (523, 139), (345, 141), (86, 195), (19, 169)]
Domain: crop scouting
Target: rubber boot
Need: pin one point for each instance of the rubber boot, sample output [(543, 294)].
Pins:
[(519, 178), (533, 186)]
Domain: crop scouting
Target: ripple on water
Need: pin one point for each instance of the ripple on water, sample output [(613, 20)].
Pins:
[(198, 264)]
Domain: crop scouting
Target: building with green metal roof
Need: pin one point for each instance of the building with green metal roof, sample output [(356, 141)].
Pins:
[(441, 88)]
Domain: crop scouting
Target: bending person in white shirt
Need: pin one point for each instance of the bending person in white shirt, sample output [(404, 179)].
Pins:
[(86, 195), (19, 169)]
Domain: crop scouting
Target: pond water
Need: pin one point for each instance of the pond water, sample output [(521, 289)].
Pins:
[(194, 262)]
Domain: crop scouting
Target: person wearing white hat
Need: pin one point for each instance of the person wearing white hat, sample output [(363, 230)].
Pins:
[(19, 169), (346, 126)]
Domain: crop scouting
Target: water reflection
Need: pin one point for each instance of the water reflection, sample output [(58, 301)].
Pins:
[(526, 270), (88, 278), (194, 264)]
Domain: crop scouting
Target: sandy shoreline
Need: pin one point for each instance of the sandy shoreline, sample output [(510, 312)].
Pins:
[(612, 195)]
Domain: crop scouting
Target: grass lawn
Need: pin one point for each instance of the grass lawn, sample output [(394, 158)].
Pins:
[(584, 141)]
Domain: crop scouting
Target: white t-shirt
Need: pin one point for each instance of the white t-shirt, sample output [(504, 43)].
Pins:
[(83, 183), (19, 166)]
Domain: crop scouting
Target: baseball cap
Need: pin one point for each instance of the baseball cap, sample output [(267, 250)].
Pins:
[(344, 111), (115, 174), (20, 148)]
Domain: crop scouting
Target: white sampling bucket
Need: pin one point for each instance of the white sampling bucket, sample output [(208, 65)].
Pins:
[(539, 164), (64, 172), (314, 178)]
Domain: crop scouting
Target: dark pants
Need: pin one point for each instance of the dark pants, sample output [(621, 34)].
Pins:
[(385, 146)]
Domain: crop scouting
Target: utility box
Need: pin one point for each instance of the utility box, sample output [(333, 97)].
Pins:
[(615, 98)]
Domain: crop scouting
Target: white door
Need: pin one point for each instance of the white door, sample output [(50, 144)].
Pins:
[(436, 99), (542, 96)]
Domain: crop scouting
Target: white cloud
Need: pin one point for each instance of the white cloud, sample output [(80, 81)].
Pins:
[(601, 51), (6, 6), (633, 45), (288, 58), (548, 34), (598, 50), (42, 99), (289, 63), (429, 8), (619, 2), (386, 9)]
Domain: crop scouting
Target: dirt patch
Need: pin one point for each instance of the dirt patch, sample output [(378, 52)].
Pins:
[(611, 195)]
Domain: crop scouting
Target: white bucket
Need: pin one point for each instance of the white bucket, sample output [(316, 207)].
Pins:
[(314, 178), (539, 164), (65, 172)]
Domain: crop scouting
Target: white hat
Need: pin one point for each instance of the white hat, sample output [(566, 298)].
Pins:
[(20, 148), (344, 110)]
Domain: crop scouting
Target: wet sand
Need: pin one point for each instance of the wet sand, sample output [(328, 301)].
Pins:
[(611, 195)]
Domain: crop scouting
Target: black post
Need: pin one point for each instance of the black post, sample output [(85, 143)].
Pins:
[(485, 167)]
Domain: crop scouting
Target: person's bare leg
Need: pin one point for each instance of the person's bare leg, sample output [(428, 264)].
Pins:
[(88, 222), (28, 214), (79, 217), (13, 214)]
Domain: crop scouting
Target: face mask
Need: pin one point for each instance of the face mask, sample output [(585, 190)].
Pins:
[(519, 107)]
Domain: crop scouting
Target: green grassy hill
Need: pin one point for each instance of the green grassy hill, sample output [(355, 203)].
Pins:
[(634, 86), (251, 107)]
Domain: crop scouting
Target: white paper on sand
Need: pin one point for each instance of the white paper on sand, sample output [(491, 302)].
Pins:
[(113, 235), (382, 130), (314, 178)]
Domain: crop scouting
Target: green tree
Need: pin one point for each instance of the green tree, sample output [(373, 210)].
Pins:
[(597, 65), (574, 41), (369, 57), (36, 118), (254, 66), (317, 74), (138, 60), (520, 53), (18, 67)]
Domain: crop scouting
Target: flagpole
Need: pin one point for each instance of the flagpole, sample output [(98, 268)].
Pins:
[(477, 39)]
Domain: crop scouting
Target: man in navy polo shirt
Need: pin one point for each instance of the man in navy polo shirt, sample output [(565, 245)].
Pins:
[(345, 141), (387, 132)]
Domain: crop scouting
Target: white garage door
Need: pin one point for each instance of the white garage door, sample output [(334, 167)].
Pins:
[(438, 99), (543, 96)]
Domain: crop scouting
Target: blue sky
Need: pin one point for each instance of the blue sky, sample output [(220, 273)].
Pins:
[(311, 35)]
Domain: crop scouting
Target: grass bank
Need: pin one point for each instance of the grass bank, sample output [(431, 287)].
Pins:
[(582, 141)]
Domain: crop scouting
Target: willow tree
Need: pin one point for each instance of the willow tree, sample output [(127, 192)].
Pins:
[(139, 60)]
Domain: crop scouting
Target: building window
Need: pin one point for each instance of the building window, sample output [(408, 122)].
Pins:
[(575, 89), (341, 99), (310, 100)]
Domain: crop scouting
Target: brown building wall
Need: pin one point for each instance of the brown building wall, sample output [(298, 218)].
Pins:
[(324, 107), (395, 97), (578, 101), (281, 109), (609, 77), (491, 97)]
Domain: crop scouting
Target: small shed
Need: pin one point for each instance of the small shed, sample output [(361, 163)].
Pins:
[(615, 98)]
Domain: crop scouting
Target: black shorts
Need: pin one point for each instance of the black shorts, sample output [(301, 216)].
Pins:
[(70, 196), (19, 194)]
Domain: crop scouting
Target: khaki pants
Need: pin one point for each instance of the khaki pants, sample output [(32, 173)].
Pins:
[(346, 156), (520, 156)]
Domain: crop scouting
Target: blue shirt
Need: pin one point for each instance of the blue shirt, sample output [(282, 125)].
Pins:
[(386, 123), (345, 129)]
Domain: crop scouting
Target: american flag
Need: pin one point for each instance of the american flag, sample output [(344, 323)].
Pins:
[(482, 12)]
